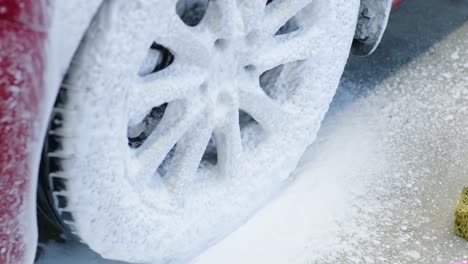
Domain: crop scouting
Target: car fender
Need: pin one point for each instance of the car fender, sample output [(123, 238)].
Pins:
[(69, 24), (23, 70), (30, 77)]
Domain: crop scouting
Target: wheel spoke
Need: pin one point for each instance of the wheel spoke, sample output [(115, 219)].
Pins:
[(189, 153), (172, 83), (279, 12), (263, 109), (252, 12), (283, 49), (159, 21), (177, 120), (189, 45), (224, 18), (228, 143)]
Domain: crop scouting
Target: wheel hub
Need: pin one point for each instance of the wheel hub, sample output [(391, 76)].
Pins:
[(225, 71)]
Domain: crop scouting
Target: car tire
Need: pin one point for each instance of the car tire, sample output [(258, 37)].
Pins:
[(179, 119)]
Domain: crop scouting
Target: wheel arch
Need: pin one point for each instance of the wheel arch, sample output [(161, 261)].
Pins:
[(372, 21)]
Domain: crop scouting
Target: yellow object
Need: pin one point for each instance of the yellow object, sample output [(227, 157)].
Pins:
[(461, 215)]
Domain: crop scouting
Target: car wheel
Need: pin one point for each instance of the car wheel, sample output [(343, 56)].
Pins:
[(179, 119)]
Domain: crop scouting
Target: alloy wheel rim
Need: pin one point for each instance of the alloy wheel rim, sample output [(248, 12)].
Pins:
[(215, 75), (253, 97)]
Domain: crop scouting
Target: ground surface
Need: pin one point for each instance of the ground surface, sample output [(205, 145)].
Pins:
[(381, 182)]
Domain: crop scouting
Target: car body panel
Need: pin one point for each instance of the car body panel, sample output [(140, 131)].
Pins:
[(29, 13), (396, 3), (23, 34), (69, 24)]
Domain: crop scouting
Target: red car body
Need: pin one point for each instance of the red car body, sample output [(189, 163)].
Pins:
[(396, 3), (23, 118), (23, 34)]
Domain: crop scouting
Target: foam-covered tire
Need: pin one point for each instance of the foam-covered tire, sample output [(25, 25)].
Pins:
[(178, 120)]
